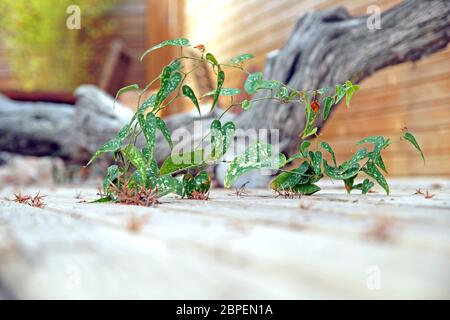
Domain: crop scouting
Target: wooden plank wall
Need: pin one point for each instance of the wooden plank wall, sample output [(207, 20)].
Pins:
[(130, 17), (6, 80), (415, 95), (132, 28)]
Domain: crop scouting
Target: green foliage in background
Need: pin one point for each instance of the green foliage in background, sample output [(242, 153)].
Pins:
[(138, 167), (42, 52)]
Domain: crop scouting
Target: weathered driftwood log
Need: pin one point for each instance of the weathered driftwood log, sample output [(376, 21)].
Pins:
[(53, 129), (325, 48)]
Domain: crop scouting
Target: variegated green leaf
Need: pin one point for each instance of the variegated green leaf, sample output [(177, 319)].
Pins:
[(148, 126), (149, 103), (304, 148), (200, 183), (241, 58), (112, 145), (336, 173), (366, 186), (210, 57), (137, 160), (340, 93), (246, 105), (306, 189), (161, 125), (180, 161), (224, 92), (268, 84), (287, 180), (164, 80), (408, 136), (182, 42), (379, 144), (357, 157), (380, 163), (257, 156), (253, 80), (329, 102), (131, 87), (229, 91), (327, 147), (152, 165), (167, 87), (112, 174), (282, 93), (220, 80), (167, 184), (371, 170), (188, 92), (216, 139), (221, 137), (316, 161), (228, 130), (175, 65)]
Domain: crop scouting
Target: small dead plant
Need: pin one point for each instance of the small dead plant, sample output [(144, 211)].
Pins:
[(197, 195), (240, 191), (135, 223), (426, 194), (380, 230), (288, 194), (138, 197), (37, 201)]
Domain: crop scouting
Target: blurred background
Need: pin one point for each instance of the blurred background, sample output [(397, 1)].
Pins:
[(42, 61)]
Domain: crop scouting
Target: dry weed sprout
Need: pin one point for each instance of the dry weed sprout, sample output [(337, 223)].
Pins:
[(240, 191), (305, 206), (21, 198), (36, 201), (135, 223), (288, 194), (426, 194), (197, 195), (139, 197), (380, 230)]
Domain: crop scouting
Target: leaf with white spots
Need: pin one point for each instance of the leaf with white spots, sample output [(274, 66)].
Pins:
[(287, 180), (327, 147), (316, 161), (180, 161), (181, 42), (246, 105), (241, 58), (161, 125), (188, 92), (253, 80), (357, 157), (220, 81), (336, 173), (408, 136), (112, 145), (148, 126), (306, 189), (258, 156), (371, 170), (137, 160)]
